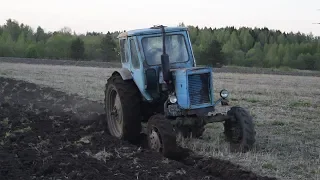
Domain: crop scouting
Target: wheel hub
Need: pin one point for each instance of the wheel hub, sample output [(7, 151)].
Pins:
[(114, 112), (117, 110), (155, 142), (115, 115)]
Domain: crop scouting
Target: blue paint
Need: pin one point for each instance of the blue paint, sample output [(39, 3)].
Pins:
[(183, 87), (180, 83), (137, 73), (192, 88)]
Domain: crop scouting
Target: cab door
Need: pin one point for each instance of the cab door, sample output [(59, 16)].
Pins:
[(124, 49), (136, 67)]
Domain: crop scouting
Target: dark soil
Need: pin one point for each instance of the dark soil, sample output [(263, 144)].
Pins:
[(49, 146), (41, 139), (40, 97)]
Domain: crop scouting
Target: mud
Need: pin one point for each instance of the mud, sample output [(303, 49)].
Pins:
[(47, 134)]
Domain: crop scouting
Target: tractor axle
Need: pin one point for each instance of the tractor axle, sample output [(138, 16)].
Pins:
[(202, 120)]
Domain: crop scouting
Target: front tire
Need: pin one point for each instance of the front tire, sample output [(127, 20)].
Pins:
[(122, 106), (161, 136), (239, 130)]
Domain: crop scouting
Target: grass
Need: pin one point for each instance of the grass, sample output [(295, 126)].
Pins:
[(300, 103), (285, 110), (252, 100)]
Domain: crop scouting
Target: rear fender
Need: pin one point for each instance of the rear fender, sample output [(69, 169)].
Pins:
[(127, 75), (124, 73)]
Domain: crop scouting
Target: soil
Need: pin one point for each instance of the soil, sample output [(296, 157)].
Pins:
[(47, 134)]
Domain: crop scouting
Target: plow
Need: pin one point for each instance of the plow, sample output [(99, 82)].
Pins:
[(161, 92)]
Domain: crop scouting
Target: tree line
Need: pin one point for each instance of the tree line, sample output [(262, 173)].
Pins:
[(251, 47)]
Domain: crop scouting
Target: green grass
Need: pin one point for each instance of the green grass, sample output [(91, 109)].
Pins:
[(300, 103), (269, 166), (286, 69), (278, 123), (251, 100), (3, 73)]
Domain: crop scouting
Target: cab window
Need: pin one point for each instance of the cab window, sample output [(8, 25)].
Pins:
[(123, 49), (134, 55)]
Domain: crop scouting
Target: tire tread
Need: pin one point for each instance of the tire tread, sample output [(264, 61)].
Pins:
[(130, 99)]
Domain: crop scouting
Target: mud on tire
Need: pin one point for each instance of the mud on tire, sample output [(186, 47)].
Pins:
[(239, 130), (130, 114), (166, 133)]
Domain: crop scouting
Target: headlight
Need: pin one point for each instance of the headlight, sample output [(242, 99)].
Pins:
[(173, 99), (224, 93)]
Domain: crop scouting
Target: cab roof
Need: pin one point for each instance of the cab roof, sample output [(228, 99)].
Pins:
[(146, 31)]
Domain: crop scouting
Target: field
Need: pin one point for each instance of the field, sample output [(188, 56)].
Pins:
[(285, 107), (42, 137)]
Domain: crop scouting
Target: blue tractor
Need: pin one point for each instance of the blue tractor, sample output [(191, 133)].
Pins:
[(160, 92)]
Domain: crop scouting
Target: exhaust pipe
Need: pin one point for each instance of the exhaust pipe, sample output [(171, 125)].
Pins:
[(165, 58)]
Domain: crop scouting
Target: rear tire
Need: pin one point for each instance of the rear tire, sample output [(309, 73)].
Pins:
[(122, 106), (239, 130), (161, 136)]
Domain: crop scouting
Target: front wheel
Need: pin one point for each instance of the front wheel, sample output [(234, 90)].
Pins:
[(239, 130), (161, 135)]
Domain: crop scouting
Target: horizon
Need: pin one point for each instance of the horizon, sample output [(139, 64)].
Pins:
[(101, 16)]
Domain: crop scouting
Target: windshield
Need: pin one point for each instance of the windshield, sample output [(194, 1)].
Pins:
[(175, 48)]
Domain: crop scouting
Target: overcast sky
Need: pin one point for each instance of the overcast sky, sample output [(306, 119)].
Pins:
[(106, 15)]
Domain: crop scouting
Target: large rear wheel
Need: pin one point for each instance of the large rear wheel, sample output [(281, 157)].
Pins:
[(122, 106), (239, 130)]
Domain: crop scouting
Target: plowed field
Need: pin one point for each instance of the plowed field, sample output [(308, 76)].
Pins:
[(60, 136)]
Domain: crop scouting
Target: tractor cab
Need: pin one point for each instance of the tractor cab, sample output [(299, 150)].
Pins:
[(160, 59), (147, 47)]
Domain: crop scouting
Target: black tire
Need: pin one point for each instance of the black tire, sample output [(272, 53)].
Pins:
[(130, 114), (166, 134), (239, 130)]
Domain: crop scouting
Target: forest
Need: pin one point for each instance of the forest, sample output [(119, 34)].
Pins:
[(244, 46)]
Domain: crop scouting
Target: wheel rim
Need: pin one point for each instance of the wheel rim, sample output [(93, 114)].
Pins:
[(155, 141), (114, 110)]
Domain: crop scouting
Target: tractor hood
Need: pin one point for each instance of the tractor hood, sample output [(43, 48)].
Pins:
[(193, 87), (184, 70)]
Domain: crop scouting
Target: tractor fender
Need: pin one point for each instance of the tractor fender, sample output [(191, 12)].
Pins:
[(124, 73)]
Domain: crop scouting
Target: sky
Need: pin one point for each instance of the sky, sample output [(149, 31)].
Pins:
[(106, 15)]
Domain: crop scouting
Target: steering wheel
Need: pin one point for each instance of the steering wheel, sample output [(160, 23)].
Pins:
[(153, 55)]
